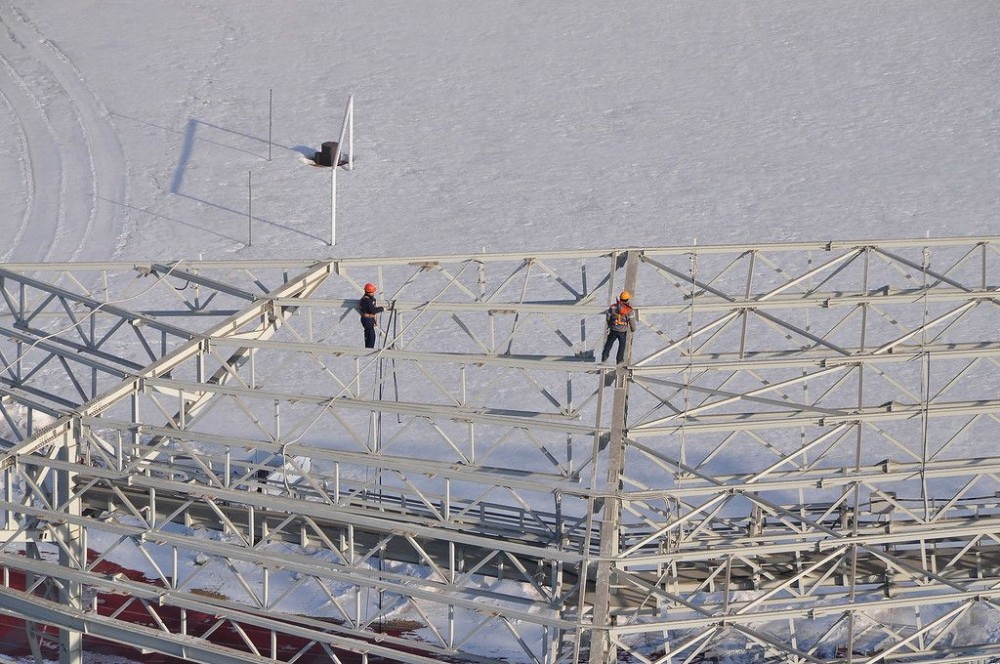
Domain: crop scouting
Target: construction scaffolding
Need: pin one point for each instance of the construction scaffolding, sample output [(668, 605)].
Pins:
[(794, 464)]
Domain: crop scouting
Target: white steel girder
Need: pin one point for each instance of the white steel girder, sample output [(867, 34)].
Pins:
[(794, 463)]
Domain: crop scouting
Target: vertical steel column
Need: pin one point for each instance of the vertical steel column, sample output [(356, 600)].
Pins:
[(72, 552), (601, 649)]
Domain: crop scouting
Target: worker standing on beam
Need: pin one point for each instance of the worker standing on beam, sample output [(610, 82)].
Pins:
[(369, 311), (621, 320)]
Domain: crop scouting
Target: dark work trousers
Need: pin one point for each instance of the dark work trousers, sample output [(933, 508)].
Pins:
[(612, 338), (369, 332)]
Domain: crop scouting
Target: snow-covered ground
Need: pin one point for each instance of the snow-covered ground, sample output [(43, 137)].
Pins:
[(134, 128), (504, 125)]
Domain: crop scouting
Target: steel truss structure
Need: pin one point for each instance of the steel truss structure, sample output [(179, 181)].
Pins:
[(796, 462)]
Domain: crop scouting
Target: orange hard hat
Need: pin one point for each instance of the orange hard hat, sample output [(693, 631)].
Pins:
[(370, 288), (625, 296)]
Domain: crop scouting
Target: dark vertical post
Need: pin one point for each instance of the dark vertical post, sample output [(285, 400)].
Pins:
[(249, 208)]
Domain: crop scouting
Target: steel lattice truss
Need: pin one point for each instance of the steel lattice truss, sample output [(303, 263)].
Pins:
[(795, 463)]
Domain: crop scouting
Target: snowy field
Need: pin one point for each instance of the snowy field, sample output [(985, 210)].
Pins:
[(504, 125), (134, 128)]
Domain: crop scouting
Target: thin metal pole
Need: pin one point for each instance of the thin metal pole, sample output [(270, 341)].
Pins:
[(249, 208), (346, 128), (350, 133), (270, 120), (333, 205), (347, 124)]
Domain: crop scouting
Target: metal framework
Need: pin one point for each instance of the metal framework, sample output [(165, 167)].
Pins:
[(796, 462)]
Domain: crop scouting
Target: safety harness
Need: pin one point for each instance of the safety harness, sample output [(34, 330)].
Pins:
[(620, 316), (362, 311)]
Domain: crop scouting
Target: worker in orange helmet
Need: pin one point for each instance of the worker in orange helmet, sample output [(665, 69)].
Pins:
[(621, 320), (369, 311)]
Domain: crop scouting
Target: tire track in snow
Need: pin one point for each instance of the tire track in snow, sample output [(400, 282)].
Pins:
[(24, 166), (92, 190), (40, 162)]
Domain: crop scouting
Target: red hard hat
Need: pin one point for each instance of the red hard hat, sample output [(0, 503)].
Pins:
[(370, 288)]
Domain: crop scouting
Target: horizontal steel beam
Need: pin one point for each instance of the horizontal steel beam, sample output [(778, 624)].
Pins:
[(513, 418)]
